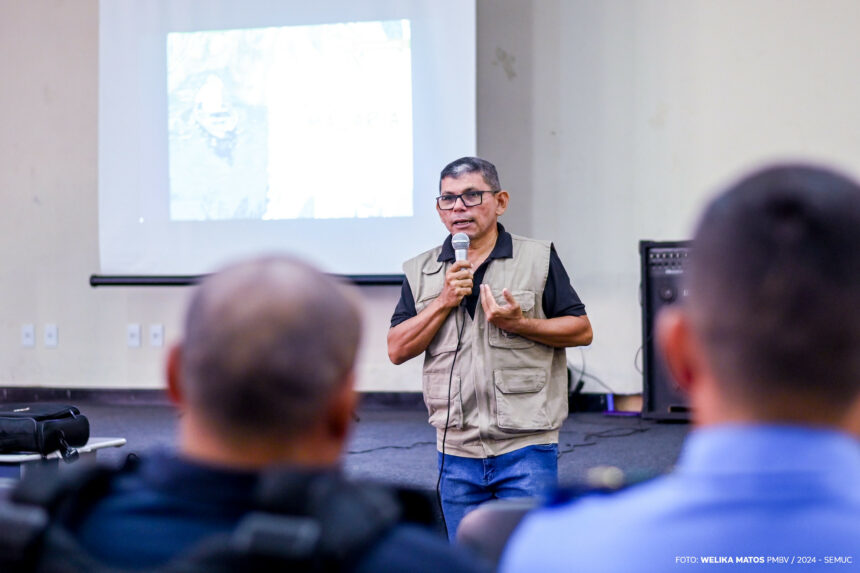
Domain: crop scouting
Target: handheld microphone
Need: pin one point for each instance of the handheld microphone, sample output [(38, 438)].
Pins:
[(460, 242)]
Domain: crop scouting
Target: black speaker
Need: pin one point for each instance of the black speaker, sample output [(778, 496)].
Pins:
[(663, 266)]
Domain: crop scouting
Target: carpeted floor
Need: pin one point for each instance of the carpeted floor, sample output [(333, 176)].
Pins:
[(394, 444)]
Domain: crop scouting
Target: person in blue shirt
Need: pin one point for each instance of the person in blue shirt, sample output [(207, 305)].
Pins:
[(767, 346), (263, 379)]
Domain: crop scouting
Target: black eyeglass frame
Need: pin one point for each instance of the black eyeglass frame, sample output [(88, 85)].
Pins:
[(478, 192)]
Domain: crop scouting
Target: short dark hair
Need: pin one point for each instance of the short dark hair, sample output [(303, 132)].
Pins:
[(266, 344), (464, 165), (774, 283)]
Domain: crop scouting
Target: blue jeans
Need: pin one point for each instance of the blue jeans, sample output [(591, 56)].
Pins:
[(468, 482)]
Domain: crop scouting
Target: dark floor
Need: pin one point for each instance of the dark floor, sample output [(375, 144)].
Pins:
[(394, 443)]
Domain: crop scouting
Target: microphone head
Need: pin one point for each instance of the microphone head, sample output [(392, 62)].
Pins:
[(460, 241)]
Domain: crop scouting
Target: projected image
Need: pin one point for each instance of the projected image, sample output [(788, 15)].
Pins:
[(291, 122)]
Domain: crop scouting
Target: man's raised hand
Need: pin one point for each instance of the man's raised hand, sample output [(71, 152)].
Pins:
[(458, 284), (505, 317)]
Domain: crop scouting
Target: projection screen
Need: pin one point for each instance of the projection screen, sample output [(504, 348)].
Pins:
[(228, 129)]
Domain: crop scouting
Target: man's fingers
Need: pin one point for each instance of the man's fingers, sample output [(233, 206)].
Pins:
[(459, 266), (484, 297), (491, 300), (509, 297), (488, 301)]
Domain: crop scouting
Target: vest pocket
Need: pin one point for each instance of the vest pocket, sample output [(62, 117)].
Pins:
[(521, 397), (504, 339), (435, 387), (447, 337), (445, 340)]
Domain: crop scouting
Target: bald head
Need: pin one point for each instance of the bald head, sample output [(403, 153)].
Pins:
[(267, 343)]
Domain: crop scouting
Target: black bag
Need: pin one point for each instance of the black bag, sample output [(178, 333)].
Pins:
[(43, 428)]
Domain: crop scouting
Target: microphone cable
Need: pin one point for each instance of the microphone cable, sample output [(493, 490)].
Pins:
[(448, 416)]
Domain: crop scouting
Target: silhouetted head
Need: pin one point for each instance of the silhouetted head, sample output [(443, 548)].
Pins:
[(774, 282), (267, 344)]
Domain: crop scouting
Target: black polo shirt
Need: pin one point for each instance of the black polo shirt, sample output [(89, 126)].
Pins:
[(559, 298)]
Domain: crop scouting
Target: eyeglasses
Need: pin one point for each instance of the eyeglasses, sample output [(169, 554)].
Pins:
[(469, 199)]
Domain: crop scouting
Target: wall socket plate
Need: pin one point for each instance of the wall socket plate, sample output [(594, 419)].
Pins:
[(132, 336), (156, 335), (51, 336), (28, 335)]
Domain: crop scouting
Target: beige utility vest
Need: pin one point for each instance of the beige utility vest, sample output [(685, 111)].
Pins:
[(506, 391)]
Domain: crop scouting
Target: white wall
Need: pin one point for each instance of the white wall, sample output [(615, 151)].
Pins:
[(621, 117), (609, 121)]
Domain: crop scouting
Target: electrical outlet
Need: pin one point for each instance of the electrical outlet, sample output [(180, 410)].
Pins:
[(156, 335), (133, 336), (28, 335), (52, 336)]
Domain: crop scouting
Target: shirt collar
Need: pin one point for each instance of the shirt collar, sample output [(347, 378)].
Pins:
[(733, 448), (165, 470), (503, 249)]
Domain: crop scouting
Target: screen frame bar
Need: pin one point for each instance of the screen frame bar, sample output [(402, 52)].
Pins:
[(188, 280)]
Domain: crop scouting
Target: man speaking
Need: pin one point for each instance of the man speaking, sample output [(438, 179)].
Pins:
[(493, 327)]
